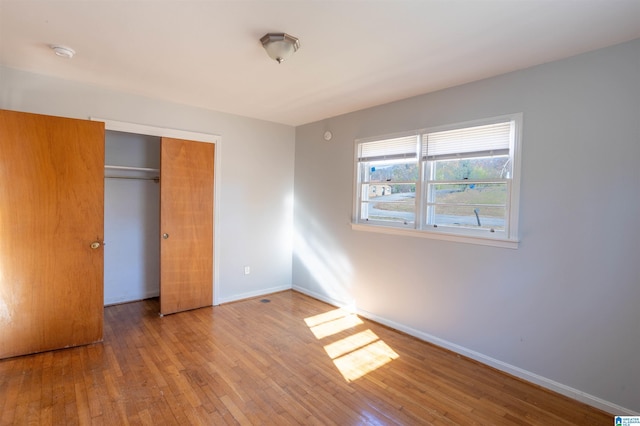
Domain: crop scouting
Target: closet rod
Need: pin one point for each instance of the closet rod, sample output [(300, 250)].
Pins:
[(156, 179), (137, 169)]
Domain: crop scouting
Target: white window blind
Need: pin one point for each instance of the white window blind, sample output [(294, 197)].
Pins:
[(492, 139), (389, 149)]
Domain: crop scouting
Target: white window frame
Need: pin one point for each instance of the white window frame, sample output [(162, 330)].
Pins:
[(507, 239)]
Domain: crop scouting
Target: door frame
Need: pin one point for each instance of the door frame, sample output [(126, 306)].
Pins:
[(141, 129)]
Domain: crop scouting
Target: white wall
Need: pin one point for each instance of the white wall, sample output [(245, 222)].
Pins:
[(255, 217), (563, 310), (131, 219)]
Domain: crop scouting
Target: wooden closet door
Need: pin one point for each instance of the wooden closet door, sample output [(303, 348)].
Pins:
[(186, 225), (51, 210)]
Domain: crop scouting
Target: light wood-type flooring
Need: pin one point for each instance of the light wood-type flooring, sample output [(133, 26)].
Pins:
[(293, 360)]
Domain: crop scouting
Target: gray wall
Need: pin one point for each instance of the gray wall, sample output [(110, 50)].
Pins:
[(563, 310), (255, 216)]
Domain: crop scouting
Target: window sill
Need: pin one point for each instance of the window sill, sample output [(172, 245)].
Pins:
[(494, 242)]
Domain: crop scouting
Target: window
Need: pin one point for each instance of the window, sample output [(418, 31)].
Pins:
[(457, 182)]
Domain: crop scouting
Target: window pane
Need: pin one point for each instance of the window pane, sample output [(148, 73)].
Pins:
[(465, 216), (389, 202), (389, 171), (473, 168), (468, 193), (468, 205)]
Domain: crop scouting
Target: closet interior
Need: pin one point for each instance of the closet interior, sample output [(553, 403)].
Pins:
[(131, 217)]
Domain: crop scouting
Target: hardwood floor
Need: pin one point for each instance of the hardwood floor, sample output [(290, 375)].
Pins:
[(254, 363)]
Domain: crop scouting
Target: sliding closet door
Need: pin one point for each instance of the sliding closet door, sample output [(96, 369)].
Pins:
[(186, 225), (51, 214)]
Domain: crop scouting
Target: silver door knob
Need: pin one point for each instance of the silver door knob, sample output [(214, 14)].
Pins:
[(95, 245), (165, 236)]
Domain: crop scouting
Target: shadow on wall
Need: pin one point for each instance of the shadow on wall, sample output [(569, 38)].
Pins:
[(328, 267)]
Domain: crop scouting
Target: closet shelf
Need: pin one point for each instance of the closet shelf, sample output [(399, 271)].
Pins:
[(134, 169), (127, 172)]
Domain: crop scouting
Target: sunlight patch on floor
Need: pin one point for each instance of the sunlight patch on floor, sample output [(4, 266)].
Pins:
[(354, 355), (364, 360), (326, 317), (335, 326), (350, 344)]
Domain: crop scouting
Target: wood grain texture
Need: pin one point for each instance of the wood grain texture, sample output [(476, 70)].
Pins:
[(253, 363), (51, 209), (186, 215)]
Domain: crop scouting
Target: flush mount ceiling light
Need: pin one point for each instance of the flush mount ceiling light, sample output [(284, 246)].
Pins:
[(63, 51), (280, 46)]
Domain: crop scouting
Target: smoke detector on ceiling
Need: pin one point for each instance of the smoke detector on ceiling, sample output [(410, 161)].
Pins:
[(63, 51)]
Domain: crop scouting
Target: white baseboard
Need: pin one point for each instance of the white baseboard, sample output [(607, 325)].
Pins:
[(568, 391), (249, 295)]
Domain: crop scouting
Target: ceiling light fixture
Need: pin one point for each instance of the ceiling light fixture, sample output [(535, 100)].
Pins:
[(280, 46), (63, 51)]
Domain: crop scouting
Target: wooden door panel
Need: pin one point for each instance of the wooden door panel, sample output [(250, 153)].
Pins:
[(186, 216), (51, 209)]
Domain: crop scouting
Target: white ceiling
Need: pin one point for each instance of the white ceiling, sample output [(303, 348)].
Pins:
[(353, 54)]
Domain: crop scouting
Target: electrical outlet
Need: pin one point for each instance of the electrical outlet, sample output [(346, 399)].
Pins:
[(247, 270)]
